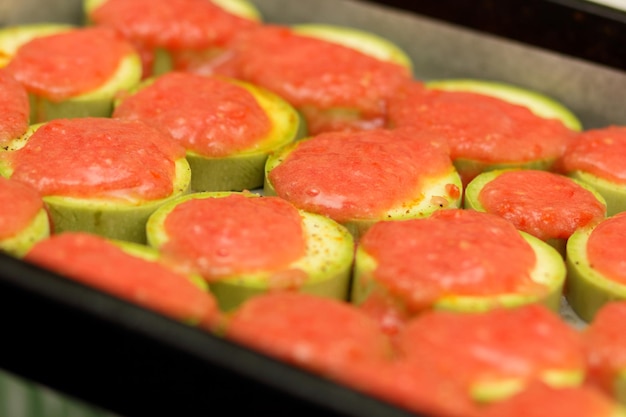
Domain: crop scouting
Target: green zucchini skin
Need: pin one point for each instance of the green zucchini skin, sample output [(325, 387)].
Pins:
[(613, 193), (244, 169), (587, 290)]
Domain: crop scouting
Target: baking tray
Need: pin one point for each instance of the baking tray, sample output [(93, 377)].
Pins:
[(135, 363), (578, 28)]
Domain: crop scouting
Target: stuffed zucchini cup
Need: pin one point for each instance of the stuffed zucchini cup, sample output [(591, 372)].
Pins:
[(99, 175), (360, 178), (497, 353), (244, 244), (69, 71), (186, 35), (595, 266), (484, 132), (227, 127), (339, 78), (458, 260), (596, 158), (544, 204)]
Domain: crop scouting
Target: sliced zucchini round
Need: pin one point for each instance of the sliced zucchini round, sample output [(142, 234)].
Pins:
[(244, 170), (327, 262), (472, 192), (435, 195), (549, 271), (587, 290), (110, 218), (95, 103)]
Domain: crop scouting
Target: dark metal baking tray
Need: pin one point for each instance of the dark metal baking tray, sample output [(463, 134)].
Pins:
[(137, 363), (577, 28)]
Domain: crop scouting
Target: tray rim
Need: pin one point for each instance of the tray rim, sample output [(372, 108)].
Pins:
[(71, 309), (581, 29)]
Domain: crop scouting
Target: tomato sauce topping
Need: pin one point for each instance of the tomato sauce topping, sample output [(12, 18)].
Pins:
[(605, 248), (544, 204), (171, 24), (335, 339), (480, 127), (94, 261), (14, 108), (452, 252), (322, 334), (315, 75), (216, 118), (98, 158), (540, 400), (20, 204), (599, 152), (519, 342), (420, 389), (235, 234), (605, 338), (70, 63), (327, 173)]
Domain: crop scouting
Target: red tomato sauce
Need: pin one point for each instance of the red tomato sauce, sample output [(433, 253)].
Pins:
[(98, 158), (14, 108), (321, 334), (605, 248), (179, 26), (349, 175), (541, 400), (70, 63), (479, 127), (452, 252), (216, 118), (520, 342), (93, 261), (544, 204), (420, 389), (605, 338), (599, 152), (171, 24), (20, 204), (235, 234), (335, 339), (315, 75)]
